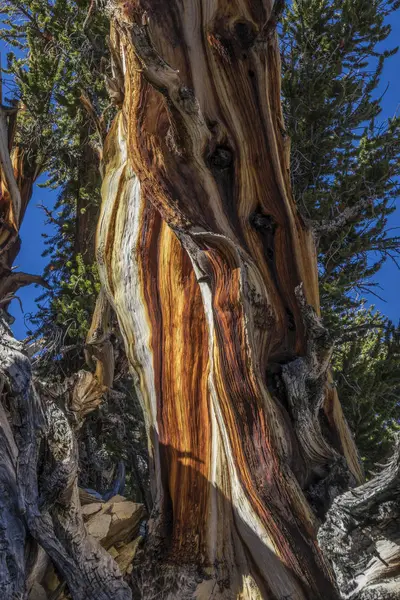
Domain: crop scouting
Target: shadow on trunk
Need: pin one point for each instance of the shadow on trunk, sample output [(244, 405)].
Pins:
[(217, 556)]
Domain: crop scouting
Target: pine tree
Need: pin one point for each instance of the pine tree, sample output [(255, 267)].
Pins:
[(345, 159), (345, 167), (367, 371), (173, 161)]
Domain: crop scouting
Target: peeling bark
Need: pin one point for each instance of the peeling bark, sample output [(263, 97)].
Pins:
[(90, 387)]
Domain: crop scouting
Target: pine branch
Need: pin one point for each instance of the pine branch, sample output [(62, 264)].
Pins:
[(350, 214)]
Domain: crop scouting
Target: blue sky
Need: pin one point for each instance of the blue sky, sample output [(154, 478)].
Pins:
[(31, 261)]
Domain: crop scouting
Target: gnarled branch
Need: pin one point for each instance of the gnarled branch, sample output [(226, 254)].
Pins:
[(306, 379), (12, 282), (50, 505), (361, 536)]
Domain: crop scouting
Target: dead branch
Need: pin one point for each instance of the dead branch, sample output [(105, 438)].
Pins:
[(361, 536), (50, 504), (14, 281), (350, 214)]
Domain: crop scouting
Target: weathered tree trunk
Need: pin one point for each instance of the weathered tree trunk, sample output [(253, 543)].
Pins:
[(17, 176), (213, 276), (361, 536), (40, 512), (39, 483)]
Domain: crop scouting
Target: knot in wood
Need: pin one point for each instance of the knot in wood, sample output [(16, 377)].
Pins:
[(261, 222), (188, 100), (59, 436), (245, 34), (221, 158)]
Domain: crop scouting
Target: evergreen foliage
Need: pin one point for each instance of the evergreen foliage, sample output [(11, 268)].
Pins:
[(58, 69), (345, 157), (74, 305), (367, 374)]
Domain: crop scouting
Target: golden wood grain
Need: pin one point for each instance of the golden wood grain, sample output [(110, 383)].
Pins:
[(206, 301)]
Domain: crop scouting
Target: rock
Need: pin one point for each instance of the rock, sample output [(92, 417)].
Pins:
[(98, 525), (91, 509), (116, 522), (37, 592), (116, 498), (125, 520), (127, 554)]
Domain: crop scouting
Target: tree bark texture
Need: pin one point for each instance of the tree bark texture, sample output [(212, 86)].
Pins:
[(213, 276), (361, 536), (40, 496), (40, 512)]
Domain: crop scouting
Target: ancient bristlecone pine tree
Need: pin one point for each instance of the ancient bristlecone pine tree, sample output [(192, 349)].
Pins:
[(212, 274)]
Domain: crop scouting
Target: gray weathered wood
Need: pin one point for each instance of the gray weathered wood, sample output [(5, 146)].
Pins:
[(49, 506)]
